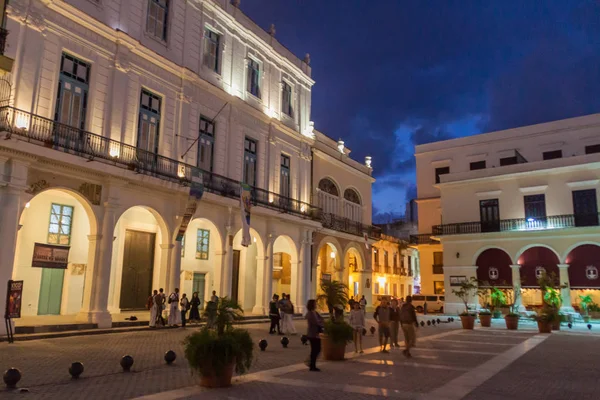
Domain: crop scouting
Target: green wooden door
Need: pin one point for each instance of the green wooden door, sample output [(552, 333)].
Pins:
[(198, 285), (51, 291)]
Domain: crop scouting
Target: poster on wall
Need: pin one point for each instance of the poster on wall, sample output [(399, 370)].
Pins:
[(326, 277), (50, 256), (457, 280), (13, 299)]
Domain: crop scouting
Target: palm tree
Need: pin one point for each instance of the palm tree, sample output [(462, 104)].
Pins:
[(335, 295), (223, 314)]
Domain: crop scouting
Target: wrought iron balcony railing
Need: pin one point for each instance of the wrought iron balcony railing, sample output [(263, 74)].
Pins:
[(3, 35), (60, 137), (519, 224), (423, 238), (346, 225)]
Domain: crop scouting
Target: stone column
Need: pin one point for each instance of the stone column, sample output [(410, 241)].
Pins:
[(164, 270), (95, 302), (565, 292), (216, 277), (174, 272), (9, 211), (516, 278), (264, 280), (227, 267), (302, 277)]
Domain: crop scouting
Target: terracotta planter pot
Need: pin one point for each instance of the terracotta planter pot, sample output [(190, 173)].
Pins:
[(512, 322), (468, 321), (485, 320), (544, 326), (332, 351), (556, 325), (213, 380)]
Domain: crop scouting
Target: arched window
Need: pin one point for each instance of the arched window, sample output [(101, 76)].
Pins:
[(327, 186), (352, 196)]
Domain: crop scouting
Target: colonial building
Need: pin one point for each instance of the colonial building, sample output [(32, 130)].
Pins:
[(508, 206), (115, 109)]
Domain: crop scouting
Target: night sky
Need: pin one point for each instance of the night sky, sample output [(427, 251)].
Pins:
[(391, 74)]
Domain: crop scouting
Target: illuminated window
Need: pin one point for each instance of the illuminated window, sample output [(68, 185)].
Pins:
[(61, 221), (202, 244)]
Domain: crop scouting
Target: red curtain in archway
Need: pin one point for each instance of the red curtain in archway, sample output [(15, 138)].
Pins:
[(584, 265), (534, 261), (493, 267)]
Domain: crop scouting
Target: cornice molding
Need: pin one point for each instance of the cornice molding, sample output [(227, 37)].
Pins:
[(328, 157)]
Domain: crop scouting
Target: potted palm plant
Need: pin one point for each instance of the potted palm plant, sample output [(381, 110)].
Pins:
[(546, 319), (467, 290), (586, 301), (336, 333), (551, 299), (512, 318), (214, 353), (498, 299)]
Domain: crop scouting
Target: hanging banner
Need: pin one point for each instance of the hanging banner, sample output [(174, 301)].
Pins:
[(196, 192), (50, 256), (245, 206), (13, 299), (366, 240)]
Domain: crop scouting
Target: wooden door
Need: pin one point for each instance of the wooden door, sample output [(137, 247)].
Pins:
[(235, 275), (138, 268), (198, 285), (51, 289)]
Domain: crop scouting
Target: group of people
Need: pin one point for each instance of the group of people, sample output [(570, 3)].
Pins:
[(178, 308), (282, 310), (362, 303)]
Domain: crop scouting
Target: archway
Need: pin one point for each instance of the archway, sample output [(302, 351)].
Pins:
[(493, 268), (139, 258), (355, 266), (201, 259), (535, 261), (55, 220), (244, 272), (584, 268), (285, 268), (329, 265)]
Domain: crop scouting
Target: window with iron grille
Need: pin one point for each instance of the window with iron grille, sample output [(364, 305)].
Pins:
[(61, 221), (254, 77), (206, 143), (202, 244), (73, 87), (212, 50), (156, 22)]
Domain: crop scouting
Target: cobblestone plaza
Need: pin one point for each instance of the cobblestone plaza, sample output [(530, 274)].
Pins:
[(448, 363)]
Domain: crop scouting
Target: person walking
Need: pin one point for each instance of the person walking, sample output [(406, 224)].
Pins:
[(153, 309), (363, 304), (394, 323), (194, 308), (288, 317), (408, 321), (315, 327), (274, 315), (185, 306), (382, 317), (174, 314), (357, 322)]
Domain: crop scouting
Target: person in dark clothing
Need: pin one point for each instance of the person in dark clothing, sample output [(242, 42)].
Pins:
[(382, 317), (274, 315), (194, 308), (315, 326), (408, 321), (394, 323)]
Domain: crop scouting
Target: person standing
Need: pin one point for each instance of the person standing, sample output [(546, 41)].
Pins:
[(185, 306), (163, 307), (315, 327), (274, 315), (282, 305), (351, 303), (363, 304), (382, 317), (214, 298), (153, 309), (394, 323), (159, 301), (408, 321), (357, 322), (288, 317), (194, 308), (174, 314)]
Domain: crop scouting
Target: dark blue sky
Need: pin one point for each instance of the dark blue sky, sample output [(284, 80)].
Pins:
[(392, 73)]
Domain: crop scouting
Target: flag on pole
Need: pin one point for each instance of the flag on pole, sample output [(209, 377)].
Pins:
[(245, 206)]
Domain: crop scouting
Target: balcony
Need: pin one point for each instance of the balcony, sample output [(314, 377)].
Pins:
[(423, 238), (341, 224), (519, 224), (51, 134), (3, 35)]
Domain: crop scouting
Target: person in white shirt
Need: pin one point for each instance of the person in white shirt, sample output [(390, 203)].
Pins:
[(185, 306), (174, 314)]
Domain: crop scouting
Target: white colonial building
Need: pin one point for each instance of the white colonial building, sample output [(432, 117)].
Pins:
[(509, 205), (114, 108)]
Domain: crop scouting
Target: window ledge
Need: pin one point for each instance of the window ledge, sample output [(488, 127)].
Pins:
[(156, 39)]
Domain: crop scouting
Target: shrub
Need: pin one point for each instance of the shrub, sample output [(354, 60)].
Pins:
[(338, 332)]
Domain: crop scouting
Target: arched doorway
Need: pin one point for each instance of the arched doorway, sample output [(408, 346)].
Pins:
[(329, 264), (201, 259), (493, 268), (285, 267), (59, 221), (139, 258), (535, 261), (355, 267), (244, 273), (328, 194), (584, 271)]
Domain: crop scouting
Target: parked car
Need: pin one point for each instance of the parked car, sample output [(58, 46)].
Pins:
[(435, 302)]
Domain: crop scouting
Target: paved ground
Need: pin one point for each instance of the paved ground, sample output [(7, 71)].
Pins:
[(449, 363)]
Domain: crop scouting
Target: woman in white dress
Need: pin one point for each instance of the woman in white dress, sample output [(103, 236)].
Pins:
[(288, 318), (174, 314)]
